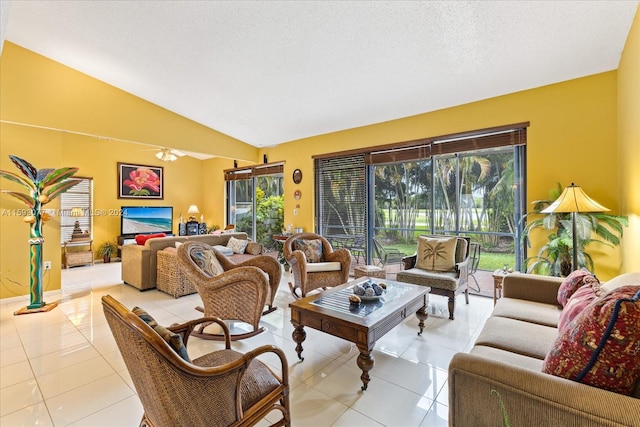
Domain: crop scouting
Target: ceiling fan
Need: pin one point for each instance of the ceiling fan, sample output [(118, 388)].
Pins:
[(168, 155)]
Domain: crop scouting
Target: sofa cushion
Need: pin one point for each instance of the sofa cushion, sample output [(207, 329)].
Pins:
[(312, 249), (142, 238), (174, 340), (223, 250), (572, 283), (206, 260), (436, 253), (602, 346), (518, 360), (237, 245), (516, 336), (621, 280), (528, 311), (254, 248), (578, 302)]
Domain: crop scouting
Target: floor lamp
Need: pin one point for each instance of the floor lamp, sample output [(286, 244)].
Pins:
[(573, 200)]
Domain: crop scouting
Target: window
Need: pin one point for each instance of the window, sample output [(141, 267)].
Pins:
[(255, 201), (78, 196), (466, 184)]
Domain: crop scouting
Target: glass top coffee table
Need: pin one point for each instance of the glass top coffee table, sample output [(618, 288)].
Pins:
[(362, 324)]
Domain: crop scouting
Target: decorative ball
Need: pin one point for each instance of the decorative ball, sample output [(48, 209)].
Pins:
[(377, 289), (369, 292), (354, 299), (383, 285), (358, 290)]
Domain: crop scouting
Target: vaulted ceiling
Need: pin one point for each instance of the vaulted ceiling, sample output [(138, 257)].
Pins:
[(268, 72)]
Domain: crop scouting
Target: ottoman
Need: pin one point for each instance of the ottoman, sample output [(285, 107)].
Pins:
[(369, 271)]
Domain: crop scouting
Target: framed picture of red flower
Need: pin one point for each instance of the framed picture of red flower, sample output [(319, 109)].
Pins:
[(140, 181)]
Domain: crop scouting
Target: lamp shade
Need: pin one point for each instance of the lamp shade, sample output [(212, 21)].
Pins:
[(574, 199), (193, 209), (77, 212)]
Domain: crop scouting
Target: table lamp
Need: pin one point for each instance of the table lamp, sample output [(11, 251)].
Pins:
[(574, 200), (193, 209)]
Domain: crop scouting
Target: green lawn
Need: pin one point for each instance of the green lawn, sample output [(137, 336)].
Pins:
[(488, 260)]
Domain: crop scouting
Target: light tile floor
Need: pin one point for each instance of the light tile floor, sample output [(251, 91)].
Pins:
[(62, 368)]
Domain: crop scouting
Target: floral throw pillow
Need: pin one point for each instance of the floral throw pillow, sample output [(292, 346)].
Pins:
[(312, 249), (573, 282), (174, 340), (237, 245), (206, 260), (601, 347), (578, 302), (436, 253)]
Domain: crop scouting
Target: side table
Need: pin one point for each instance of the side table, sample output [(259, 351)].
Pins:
[(81, 256), (498, 277)]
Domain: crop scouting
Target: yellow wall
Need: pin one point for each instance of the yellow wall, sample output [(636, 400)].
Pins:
[(629, 146), (38, 91), (571, 138), (584, 131)]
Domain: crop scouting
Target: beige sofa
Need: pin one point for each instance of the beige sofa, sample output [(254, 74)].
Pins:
[(139, 262), (507, 357)]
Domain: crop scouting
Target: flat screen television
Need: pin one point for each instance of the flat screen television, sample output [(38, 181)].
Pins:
[(146, 220)]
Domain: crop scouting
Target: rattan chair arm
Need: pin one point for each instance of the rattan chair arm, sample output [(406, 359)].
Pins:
[(268, 348), (342, 255), (185, 329)]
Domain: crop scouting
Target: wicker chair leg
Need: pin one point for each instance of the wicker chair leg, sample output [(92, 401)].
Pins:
[(270, 309)]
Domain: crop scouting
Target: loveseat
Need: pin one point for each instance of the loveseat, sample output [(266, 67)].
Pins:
[(139, 262), (508, 358)]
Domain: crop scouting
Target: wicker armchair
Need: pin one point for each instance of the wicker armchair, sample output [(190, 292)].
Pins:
[(220, 388), (265, 263), (236, 294), (333, 270)]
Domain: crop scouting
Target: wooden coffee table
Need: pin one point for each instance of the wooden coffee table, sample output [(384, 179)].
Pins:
[(331, 312)]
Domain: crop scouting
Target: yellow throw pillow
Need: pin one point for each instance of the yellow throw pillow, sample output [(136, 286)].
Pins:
[(436, 253)]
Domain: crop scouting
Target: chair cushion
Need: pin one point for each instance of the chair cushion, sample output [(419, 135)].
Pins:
[(142, 238), (435, 279), (622, 280), (257, 382), (436, 254), (572, 283), (314, 267), (206, 260), (601, 346), (174, 340), (312, 249), (237, 245)]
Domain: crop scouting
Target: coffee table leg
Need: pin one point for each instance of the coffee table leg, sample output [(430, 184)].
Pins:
[(422, 315), (365, 362), (299, 336)]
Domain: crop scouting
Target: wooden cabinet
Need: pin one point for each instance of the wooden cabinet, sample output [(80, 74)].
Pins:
[(78, 253)]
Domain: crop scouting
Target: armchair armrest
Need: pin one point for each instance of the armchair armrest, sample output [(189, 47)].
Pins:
[(342, 255), (409, 262), (185, 329)]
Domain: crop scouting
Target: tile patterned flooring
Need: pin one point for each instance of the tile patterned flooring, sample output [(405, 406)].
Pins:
[(62, 368)]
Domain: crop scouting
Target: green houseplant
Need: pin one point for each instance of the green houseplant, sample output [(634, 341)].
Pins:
[(555, 257), (106, 250)]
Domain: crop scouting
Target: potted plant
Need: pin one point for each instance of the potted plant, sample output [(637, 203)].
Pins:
[(554, 258), (106, 250)]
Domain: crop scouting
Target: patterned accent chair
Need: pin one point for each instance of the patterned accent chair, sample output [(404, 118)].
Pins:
[(220, 388), (448, 282), (314, 263), (239, 293)]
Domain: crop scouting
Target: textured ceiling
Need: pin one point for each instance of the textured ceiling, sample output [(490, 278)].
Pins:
[(268, 72)]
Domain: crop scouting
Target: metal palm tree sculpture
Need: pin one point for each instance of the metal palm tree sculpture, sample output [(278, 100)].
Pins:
[(43, 186)]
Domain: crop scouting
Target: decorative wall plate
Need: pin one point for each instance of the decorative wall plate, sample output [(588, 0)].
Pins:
[(297, 176)]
